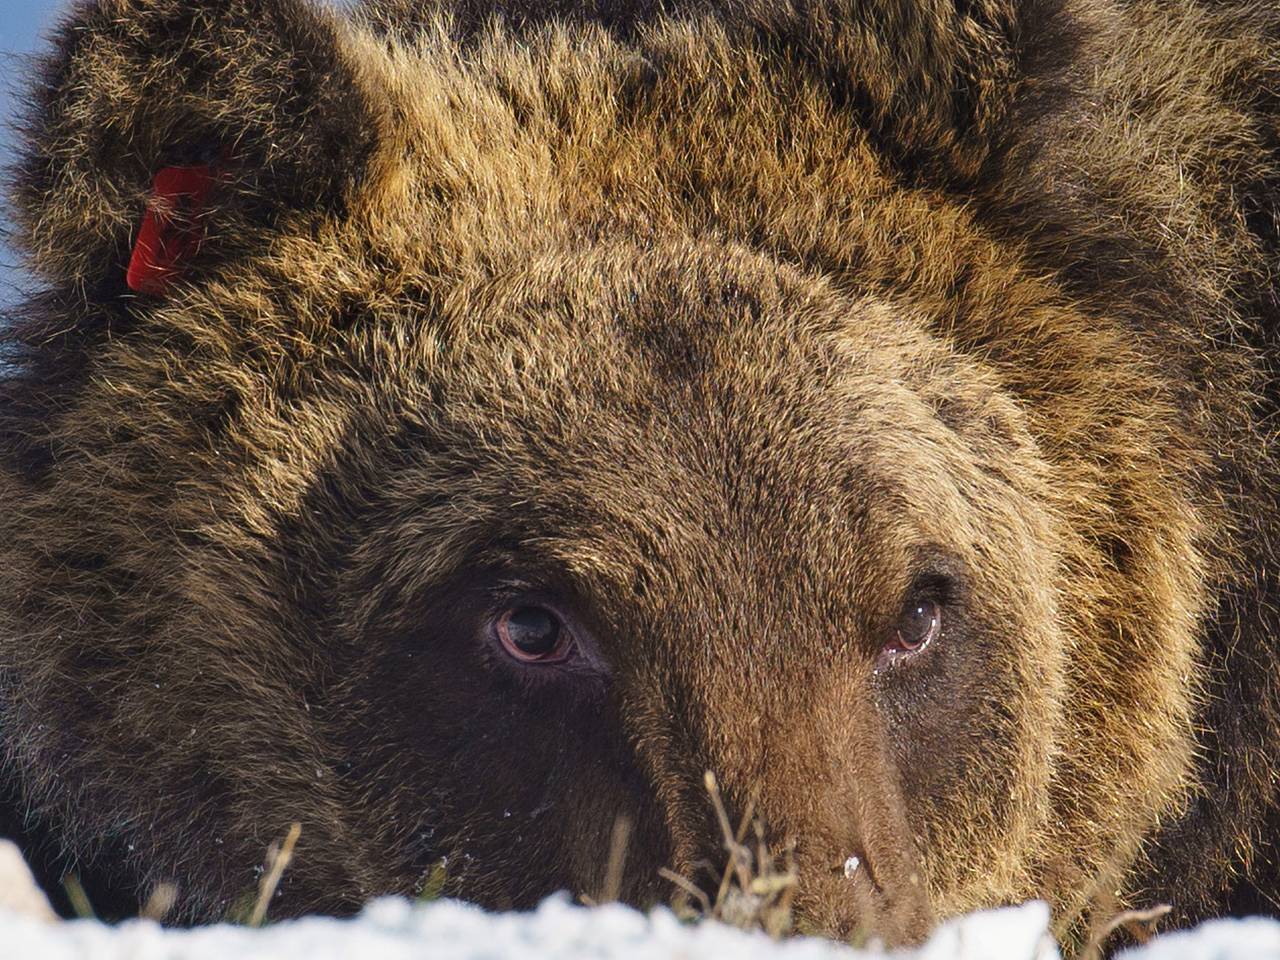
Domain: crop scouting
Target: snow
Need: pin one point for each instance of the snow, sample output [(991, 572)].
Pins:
[(394, 929), (1254, 937)]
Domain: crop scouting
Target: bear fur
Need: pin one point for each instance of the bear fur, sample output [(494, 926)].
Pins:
[(727, 330)]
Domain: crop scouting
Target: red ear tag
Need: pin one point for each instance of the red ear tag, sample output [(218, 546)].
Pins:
[(172, 228)]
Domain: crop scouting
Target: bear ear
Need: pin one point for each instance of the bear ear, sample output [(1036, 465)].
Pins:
[(164, 131)]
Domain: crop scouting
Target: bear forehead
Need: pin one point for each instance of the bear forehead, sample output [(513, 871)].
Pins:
[(603, 422)]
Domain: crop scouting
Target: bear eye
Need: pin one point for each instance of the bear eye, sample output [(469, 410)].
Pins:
[(917, 626), (533, 634)]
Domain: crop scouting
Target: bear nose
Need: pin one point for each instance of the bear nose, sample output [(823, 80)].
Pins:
[(848, 867), (877, 890), (852, 884), (858, 861), (818, 775), (830, 793)]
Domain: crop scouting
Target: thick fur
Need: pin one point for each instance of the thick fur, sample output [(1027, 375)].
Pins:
[(726, 328)]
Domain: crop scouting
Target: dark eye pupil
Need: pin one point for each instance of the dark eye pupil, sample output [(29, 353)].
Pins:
[(534, 630), (918, 624)]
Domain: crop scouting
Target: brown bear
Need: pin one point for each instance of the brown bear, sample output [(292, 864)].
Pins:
[(457, 426)]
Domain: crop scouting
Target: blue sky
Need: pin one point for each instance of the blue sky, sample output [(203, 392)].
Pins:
[(22, 24)]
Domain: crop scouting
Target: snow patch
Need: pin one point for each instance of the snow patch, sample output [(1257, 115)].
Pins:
[(1252, 938), (396, 929)]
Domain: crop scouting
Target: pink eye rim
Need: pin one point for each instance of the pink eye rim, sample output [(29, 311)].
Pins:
[(533, 633)]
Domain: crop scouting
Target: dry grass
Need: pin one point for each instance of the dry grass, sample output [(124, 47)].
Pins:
[(76, 896), (1140, 925), (278, 857), (756, 887), (160, 902)]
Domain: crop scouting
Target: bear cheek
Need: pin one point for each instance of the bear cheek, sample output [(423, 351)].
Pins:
[(970, 761), (515, 787)]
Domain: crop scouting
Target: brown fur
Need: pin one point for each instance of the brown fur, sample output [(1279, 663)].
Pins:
[(726, 325)]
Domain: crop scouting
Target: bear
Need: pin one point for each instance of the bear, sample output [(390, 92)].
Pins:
[(458, 426)]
